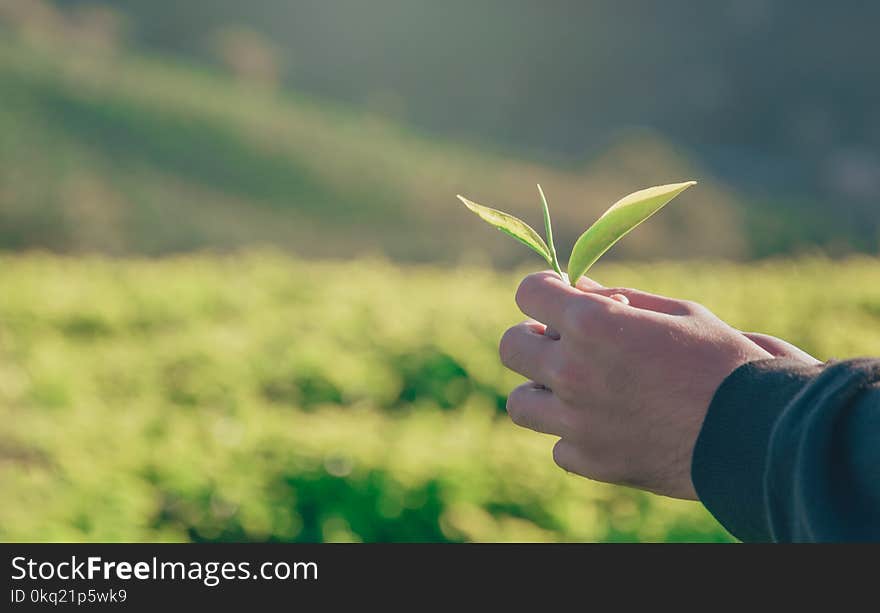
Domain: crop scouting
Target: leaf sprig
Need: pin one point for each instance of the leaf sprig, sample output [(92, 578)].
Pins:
[(615, 223)]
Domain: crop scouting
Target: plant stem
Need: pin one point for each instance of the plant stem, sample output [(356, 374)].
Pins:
[(548, 229)]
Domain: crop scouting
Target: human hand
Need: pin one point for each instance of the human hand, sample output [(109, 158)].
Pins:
[(779, 348), (625, 386)]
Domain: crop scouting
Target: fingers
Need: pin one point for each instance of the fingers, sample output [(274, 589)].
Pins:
[(638, 299), (586, 284), (524, 349), (550, 332), (545, 297), (536, 408), (573, 457), (646, 301), (568, 457), (779, 348)]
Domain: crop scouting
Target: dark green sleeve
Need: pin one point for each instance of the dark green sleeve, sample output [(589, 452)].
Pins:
[(789, 452)]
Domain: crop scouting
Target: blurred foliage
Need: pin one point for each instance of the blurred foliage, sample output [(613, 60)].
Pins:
[(778, 97), (103, 149), (257, 397)]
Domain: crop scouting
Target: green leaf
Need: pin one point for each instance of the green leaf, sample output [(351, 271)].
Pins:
[(548, 232), (617, 222), (511, 225)]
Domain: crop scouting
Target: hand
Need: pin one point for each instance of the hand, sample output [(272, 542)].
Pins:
[(779, 348), (625, 386)]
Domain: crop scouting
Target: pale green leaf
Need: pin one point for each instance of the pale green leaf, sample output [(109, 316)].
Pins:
[(511, 225), (617, 222), (548, 232)]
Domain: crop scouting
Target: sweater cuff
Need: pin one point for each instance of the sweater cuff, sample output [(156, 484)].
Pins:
[(730, 454)]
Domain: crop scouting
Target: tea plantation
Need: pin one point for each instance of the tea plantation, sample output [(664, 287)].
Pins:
[(258, 397)]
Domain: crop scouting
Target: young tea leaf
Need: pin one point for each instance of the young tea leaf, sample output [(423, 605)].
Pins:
[(617, 222), (511, 225), (548, 232)]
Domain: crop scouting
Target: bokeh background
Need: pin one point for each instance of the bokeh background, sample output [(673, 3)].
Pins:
[(239, 301)]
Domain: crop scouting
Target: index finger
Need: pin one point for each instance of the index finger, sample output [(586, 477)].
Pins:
[(543, 296)]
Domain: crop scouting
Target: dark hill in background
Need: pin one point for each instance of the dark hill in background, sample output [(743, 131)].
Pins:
[(172, 127)]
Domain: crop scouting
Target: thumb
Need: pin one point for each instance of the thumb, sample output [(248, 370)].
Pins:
[(779, 348)]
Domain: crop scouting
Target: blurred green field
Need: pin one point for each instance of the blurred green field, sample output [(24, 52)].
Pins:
[(258, 397)]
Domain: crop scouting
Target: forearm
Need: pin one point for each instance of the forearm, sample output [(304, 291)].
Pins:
[(788, 452)]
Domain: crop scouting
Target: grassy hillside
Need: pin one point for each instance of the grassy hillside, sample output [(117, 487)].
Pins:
[(104, 150), (258, 397)]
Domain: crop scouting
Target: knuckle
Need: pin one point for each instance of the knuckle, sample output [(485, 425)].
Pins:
[(560, 375), (554, 379), (585, 312), (578, 316), (692, 308)]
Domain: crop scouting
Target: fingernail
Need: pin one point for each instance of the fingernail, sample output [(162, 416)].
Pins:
[(620, 298)]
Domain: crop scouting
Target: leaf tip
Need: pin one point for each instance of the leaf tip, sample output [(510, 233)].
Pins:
[(677, 188), (465, 201)]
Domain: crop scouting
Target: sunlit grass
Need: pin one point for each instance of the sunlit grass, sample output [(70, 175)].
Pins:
[(261, 397)]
